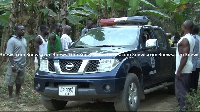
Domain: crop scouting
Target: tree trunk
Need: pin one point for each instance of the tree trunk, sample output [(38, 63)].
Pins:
[(63, 12), (106, 9), (8, 31)]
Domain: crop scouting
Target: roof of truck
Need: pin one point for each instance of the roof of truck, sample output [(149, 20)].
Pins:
[(139, 20), (134, 21)]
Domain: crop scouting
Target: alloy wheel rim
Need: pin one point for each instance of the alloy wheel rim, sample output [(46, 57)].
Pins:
[(132, 98)]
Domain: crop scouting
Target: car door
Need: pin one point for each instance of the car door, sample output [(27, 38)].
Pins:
[(164, 56), (150, 61)]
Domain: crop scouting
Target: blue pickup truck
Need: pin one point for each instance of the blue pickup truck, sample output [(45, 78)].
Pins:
[(118, 63)]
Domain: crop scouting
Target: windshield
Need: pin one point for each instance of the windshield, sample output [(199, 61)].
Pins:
[(110, 37)]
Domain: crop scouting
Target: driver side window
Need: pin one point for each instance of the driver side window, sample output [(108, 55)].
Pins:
[(146, 34), (161, 38)]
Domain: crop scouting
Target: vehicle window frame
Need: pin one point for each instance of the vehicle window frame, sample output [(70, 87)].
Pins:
[(137, 38), (149, 30), (163, 39)]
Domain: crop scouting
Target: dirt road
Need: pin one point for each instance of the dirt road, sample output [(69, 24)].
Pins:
[(156, 101)]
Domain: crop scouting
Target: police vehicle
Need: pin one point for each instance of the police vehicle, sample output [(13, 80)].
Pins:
[(119, 62)]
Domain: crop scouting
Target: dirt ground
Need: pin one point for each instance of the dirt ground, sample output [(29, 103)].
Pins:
[(30, 101), (156, 101)]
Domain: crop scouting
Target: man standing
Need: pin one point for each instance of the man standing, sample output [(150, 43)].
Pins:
[(41, 45), (16, 51), (196, 61), (54, 43), (184, 64), (65, 39)]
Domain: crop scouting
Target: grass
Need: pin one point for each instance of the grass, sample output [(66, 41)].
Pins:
[(193, 101), (29, 97)]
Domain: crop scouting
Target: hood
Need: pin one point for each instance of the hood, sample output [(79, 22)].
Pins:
[(94, 52)]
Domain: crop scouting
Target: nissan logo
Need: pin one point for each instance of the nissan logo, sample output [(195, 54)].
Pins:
[(69, 66)]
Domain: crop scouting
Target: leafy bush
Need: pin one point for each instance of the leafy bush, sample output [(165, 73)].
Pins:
[(193, 101)]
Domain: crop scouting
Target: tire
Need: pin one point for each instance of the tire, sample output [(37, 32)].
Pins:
[(54, 105), (130, 97)]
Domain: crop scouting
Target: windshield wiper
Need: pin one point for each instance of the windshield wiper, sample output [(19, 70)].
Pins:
[(107, 46), (81, 46)]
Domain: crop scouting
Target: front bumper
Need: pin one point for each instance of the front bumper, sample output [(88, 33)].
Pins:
[(89, 86)]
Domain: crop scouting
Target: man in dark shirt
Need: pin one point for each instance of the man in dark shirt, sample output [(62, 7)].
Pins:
[(54, 42)]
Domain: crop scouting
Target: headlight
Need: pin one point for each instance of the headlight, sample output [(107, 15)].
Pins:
[(43, 65), (107, 64)]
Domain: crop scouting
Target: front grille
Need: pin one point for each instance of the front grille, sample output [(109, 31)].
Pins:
[(93, 65), (70, 66), (51, 66), (73, 66)]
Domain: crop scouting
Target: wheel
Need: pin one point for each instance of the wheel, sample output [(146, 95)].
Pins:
[(130, 97), (54, 105)]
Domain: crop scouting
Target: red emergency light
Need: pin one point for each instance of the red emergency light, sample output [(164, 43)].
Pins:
[(124, 20)]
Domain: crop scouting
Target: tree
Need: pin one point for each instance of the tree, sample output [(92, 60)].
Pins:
[(170, 14)]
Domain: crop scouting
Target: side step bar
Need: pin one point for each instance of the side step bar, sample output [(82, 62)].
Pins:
[(146, 91)]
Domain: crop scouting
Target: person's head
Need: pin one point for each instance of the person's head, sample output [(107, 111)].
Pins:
[(67, 30), (19, 30), (169, 35), (195, 30), (176, 35), (187, 26), (44, 29), (89, 24), (58, 27), (176, 39), (94, 25)]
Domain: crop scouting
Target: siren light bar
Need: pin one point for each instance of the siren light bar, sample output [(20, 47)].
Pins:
[(124, 20)]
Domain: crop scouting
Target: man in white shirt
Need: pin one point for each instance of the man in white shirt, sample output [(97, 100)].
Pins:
[(65, 39), (184, 64), (41, 45)]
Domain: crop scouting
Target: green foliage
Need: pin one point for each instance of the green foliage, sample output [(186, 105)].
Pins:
[(87, 8), (81, 9), (134, 6), (79, 12), (193, 101), (160, 3), (73, 19), (29, 37), (124, 3), (32, 1), (5, 4), (4, 21), (148, 4), (154, 12), (48, 11), (179, 17), (180, 2), (80, 2)]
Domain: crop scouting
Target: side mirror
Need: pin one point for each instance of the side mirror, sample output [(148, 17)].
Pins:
[(151, 43)]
